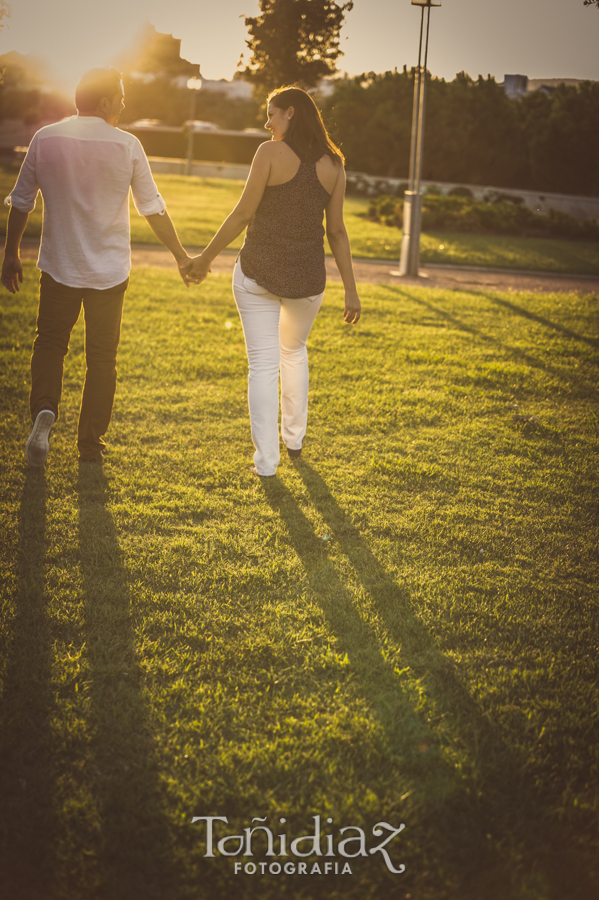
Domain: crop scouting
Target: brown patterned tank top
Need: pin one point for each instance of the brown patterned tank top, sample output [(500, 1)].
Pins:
[(284, 244)]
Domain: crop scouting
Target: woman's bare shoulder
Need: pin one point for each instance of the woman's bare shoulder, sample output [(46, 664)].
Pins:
[(273, 150), (275, 153), (330, 164), (328, 172)]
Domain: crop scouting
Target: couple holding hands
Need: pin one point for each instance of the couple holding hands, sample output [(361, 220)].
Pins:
[(84, 167)]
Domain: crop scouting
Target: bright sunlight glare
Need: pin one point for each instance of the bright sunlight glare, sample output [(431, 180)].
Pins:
[(72, 36), (541, 38)]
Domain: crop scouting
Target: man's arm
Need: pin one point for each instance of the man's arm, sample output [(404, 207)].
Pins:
[(12, 270), (163, 228), (22, 201)]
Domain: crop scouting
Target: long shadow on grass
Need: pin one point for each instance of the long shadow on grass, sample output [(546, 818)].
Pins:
[(541, 320), (26, 773), (135, 854), (459, 812), (407, 735), (516, 352)]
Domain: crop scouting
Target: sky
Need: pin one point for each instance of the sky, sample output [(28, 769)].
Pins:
[(538, 38)]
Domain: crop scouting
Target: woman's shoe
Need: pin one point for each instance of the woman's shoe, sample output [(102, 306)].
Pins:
[(294, 454), (255, 471)]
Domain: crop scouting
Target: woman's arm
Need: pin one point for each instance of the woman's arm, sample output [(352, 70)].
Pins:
[(339, 244), (238, 219)]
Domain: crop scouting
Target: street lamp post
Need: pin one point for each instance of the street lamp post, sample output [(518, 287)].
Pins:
[(194, 85), (412, 210)]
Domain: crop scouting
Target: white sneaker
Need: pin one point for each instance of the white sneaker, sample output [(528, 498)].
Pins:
[(38, 445)]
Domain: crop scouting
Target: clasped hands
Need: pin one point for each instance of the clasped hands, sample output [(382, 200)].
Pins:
[(194, 270)]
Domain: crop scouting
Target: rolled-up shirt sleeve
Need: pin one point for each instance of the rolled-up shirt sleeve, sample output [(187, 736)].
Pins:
[(146, 197), (24, 193)]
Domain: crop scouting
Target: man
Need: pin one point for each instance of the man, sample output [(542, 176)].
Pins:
[(84, 167)]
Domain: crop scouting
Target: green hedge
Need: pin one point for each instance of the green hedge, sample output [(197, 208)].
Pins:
[(464, 214)]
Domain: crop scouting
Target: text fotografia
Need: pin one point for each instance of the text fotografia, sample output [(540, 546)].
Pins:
[(335, 847)]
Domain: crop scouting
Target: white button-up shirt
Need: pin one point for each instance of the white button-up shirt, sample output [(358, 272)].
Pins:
[(84, 169)]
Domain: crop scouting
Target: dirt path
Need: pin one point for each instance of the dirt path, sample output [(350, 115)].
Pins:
[(379, 272)]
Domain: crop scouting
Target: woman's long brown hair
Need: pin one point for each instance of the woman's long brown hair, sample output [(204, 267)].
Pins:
[(306, 130)]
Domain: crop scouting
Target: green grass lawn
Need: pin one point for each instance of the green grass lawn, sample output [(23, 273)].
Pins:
[(199, 205), (402, 627)]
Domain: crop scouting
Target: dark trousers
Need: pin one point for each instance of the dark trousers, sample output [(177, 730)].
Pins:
[(58, 312)]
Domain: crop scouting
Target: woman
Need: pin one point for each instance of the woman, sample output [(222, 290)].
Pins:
[(279, 277)]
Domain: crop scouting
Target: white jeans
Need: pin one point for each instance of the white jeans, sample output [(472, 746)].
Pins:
[(276, 331)]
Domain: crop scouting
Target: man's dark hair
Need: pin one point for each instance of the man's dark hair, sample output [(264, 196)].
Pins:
[(94, 85)]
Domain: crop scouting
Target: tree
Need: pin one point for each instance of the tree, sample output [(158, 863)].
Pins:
[(4, 12), (592, 3), (562, 138), (25, 91), (474, 134), (371, 116), (294, 42)]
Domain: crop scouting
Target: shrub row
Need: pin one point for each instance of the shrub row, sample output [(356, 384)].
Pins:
[(497, 216)]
